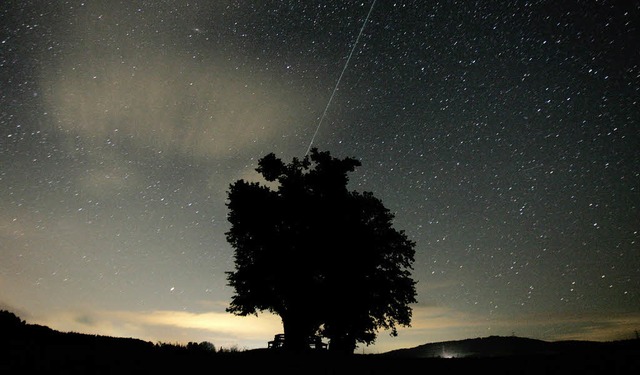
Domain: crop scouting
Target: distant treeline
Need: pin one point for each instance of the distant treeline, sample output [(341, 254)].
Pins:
[(30, 347)]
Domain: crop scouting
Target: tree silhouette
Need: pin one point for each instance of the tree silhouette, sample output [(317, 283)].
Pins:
[(325, 259), (10, 324)]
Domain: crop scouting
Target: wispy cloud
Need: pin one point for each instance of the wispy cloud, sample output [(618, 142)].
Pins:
[(220, 328), (126, 83), (430, 324), (440, 323)]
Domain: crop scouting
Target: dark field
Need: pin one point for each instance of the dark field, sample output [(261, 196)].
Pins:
[(61, 361), (99, 355)]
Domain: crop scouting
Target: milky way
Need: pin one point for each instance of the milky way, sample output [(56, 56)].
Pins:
[(503, 135)]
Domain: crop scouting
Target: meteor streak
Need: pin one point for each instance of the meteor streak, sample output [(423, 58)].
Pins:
[(340, 78)]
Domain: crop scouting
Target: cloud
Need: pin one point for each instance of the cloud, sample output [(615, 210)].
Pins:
[(216, 322), (123, 81), (592, 327), (214, 114), (167, 325), (109, 174)]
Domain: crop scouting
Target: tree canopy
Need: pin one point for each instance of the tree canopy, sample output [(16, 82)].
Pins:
[(325, 259)]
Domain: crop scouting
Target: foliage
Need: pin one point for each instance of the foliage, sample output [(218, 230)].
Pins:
[(324, 258), (204, 346)]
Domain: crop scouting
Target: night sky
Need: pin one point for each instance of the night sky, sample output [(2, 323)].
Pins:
[(504, 135)]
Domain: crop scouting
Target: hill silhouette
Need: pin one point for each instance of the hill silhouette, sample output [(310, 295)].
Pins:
[(26, 348), (509, 346)]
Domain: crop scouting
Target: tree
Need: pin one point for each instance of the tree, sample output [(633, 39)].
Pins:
[(10, 323), (325, 259)]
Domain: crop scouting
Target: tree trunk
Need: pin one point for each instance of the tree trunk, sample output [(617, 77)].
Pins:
[(295, 334)]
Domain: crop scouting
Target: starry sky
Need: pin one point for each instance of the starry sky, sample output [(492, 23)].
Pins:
[(504, 136)]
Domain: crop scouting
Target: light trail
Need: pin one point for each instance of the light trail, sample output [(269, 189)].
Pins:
[(346, 64)]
